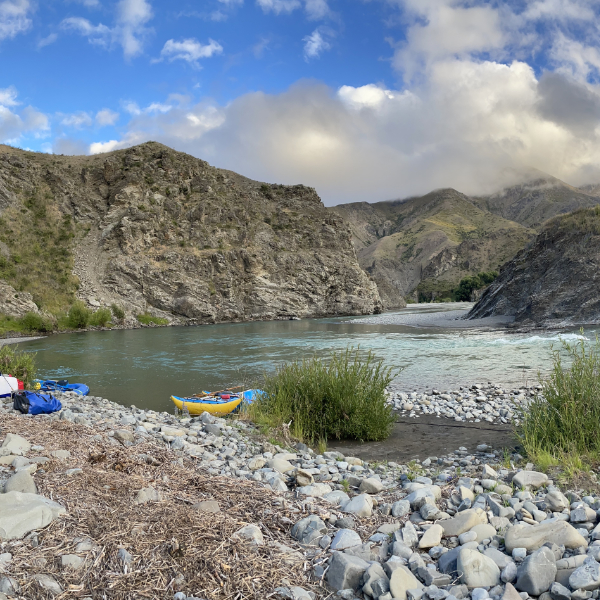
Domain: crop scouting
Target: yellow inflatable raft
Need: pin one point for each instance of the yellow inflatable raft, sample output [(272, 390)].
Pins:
[(197, 406)]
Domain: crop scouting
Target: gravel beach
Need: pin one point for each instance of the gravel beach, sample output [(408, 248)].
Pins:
[(101, 500)]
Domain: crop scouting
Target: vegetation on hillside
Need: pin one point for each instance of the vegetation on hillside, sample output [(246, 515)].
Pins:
[(433, 291), (18, 363), (342, 397), (584, 220)]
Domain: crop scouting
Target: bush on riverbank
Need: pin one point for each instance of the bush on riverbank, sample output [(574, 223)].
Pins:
[(342, 397), (563, 419), (18, 363), (100, 318), (78, 316), (148, 319)]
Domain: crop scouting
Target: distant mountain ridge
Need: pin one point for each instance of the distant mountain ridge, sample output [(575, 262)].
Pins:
[(423, 246)]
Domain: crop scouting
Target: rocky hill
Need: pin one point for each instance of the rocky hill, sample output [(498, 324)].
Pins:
[(426, 245), (539, 198), (151, 229), (555, 279)]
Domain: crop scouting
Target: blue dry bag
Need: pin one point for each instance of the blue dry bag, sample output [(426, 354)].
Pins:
[(35, 404)]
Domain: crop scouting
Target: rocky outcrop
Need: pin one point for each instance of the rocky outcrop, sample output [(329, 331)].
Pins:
[(13, 303), (554, 280), (160, 231)]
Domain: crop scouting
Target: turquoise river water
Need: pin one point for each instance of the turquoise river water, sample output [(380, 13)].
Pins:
[(145, 366)]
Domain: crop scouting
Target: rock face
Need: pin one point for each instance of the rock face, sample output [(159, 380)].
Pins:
[(555, 279), (160, 231)]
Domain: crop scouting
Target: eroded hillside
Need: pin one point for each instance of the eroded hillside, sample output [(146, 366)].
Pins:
[(151, 229)]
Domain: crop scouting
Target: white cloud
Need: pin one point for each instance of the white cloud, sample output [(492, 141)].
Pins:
[(106, 117), (14, 18), (317, 9), (77, 120), (49, 39), (129, 30), (14, 124), (99, 147), (279, 6), (190, 50), (316, 43)]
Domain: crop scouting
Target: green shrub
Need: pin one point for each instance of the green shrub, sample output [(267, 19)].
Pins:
[(468, 285), (18, 363), (79, 316), (36, 322), (148, 319), (101, 317), (342, 397), (117, 312), (564, 417)]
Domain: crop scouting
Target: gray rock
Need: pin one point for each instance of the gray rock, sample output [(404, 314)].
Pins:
[(429, 491), (432, 537), (124, 556), (586, 577), (509, 573), (124, 435), (371, 486), (530, 479), (251, 533), (21, 482), (463, 522), (556, 501), (60, 454), (9, 586), (345, 538), (213, 429), (309, 530), (337, 497), (409, 535), (207, 506), (559, 592), (280, 465), (15, 444), (532, 538), (345, 571), (48, 584), (447, 562), (316, 490), (71, 561), (510, 593), (375, 573), (401, 581), (498, 557), (477, 570), (400, 508), (148, 494), (537, 572), (361, 506), (21, 513)]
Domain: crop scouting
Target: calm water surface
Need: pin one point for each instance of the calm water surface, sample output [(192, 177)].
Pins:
[(145, 366)]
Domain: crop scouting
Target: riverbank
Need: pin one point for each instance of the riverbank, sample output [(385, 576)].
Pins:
[(145, 505)]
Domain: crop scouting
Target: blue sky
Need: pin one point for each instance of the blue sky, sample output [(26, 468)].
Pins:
[(362, 99)]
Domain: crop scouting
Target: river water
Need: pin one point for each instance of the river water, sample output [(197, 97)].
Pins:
[(145, 366)]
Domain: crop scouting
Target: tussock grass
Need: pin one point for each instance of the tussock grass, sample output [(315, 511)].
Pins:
[(560, 426), (148, 319), (342, 397), (18, 363)]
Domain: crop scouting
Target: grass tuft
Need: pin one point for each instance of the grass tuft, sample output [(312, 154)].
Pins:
[(148, 319), (342, 397), (18, 363)]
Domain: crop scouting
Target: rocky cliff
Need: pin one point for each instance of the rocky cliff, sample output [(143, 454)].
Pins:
[(155, 230), (555, 279), (425, 245)]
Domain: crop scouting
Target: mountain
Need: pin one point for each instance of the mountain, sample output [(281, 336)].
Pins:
[(555, 279), (538, 198), (151, 229), (425, 245)]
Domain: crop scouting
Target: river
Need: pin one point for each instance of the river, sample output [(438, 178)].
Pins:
[(145, 366)]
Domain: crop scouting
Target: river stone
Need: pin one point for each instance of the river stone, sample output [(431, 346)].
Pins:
[(375, 580), (309, 530), (510, 593), (371, 486), (530, 479), (556, 501), (559, 592), (207, 506), (483, 531), (361, 506), (258, 462), (586, 577), (304, 478), (280, 465), (251, 533), (345, 571), (409, 535), (345, 538), (71, 561), (337, 497), (429, 491), (401, 581), (533, 537), (400, 509), (447, 561), (477, 570), (124, 435), (316, 490), (148, 494), (498, 557), (21, 513), (16, 444), (48, 583), (432, 537), (464, 521), (21, 482), (60, 454), (537, 572)]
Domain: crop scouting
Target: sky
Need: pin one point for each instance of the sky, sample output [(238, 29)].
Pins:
[(365, 100)]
